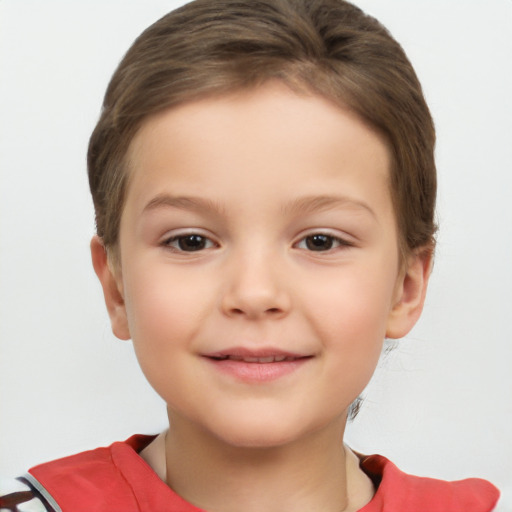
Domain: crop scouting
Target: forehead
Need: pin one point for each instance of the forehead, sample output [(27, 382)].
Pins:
[(269, 133)]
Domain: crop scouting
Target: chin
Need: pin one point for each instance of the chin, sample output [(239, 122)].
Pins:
[(258, 440), (260, 434)]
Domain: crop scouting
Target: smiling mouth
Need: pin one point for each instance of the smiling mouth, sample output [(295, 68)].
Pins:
[(261, 360), (256, 367)]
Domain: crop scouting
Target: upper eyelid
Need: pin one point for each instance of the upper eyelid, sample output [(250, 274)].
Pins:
[(177, 233), (168, 244), (341, 241), (166, 241), (342, 237)]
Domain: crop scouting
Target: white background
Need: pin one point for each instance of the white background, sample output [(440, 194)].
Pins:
[(439, 405)]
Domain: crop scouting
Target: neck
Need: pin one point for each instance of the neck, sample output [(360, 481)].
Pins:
[(315, 473)]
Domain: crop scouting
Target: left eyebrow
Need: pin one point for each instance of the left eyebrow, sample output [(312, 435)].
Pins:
[(311, 204), (191, 203)]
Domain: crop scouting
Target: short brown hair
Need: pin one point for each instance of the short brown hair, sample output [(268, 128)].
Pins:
[(326, 47)]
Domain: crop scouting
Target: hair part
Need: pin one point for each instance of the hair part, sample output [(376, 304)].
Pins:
[(326, 47)]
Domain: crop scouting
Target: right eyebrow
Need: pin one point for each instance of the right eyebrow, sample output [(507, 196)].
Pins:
[(191, 203)]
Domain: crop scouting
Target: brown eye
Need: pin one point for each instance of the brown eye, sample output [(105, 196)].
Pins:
[(189, 243), (319, 242), (322, 242)]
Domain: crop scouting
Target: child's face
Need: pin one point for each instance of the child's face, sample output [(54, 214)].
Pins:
[(259, 226)]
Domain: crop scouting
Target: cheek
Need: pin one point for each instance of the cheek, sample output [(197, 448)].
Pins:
[(158, 299), (349, 313), (353, 304), (165, 313)]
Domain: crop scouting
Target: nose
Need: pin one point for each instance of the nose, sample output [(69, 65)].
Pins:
[(255, 288)]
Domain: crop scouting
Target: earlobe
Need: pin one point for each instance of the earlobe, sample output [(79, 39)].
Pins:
[(112, 290), (410, 293)]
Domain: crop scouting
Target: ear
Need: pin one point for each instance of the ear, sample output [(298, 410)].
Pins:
[(410, 291), (112, 289)]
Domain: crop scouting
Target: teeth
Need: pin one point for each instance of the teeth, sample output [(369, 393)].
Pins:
[(252, 359), (262, 360)]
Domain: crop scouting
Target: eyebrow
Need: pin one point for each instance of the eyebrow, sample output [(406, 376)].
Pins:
[(183, 203), (311, 204), (303, 205)]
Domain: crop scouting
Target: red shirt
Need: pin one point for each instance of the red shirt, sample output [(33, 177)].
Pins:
[(117, 479)]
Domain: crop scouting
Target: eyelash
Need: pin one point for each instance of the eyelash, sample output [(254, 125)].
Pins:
[(203, 242), (207, 243), (334, 241)]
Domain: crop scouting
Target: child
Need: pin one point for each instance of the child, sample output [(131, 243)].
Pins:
[(264, 186)]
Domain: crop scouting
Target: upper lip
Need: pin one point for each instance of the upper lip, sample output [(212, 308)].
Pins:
[(261, 355)]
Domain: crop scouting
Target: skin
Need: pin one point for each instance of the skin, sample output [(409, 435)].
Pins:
[(260, 177)]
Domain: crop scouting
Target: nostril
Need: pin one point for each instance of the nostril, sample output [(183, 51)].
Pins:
[(254, 304), (269, 311)]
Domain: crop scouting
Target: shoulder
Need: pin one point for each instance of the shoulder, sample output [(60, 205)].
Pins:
[(109, 479), (19, 495), (91, 480), (399, 491)]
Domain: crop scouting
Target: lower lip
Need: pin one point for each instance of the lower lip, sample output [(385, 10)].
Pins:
[(257, 372)]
